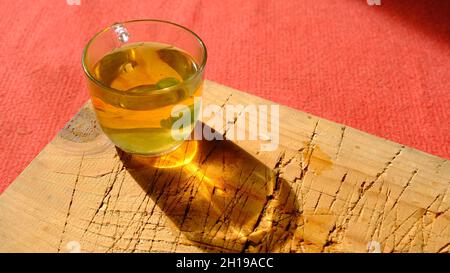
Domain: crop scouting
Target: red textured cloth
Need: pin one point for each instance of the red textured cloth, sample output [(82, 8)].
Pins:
[(382, 69)]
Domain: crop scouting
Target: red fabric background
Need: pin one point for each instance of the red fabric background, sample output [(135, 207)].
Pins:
[(382, 69)]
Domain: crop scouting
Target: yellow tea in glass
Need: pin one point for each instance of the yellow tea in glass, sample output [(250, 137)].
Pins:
[(137, 72)]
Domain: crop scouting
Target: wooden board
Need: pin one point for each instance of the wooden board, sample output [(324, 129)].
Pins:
[(327, 188)]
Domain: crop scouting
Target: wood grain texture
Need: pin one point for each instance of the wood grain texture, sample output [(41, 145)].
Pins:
[(327, 188)]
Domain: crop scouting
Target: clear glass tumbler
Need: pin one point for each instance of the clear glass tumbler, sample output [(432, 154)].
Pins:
[(139, 74)]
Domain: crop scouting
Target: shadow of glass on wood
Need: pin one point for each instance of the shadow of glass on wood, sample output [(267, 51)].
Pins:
[(219, 195)]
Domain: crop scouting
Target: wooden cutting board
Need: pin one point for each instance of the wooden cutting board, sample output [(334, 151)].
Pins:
[(327, 188)]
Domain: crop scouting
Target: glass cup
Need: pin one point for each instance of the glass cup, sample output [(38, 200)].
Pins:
[(145, 79)]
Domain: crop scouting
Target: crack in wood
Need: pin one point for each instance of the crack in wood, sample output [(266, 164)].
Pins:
[(442, 249), (106, 194), (70, 203), (338, 151), (408, 183), (361, 192)]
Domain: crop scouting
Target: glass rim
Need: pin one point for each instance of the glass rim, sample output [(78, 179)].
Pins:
[(157, 91)]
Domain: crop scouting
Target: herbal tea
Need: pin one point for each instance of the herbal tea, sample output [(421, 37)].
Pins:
[(149, 80)]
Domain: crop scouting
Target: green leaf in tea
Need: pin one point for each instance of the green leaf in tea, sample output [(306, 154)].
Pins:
[(167, 82), (143, 88)]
